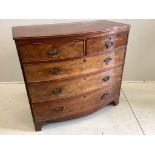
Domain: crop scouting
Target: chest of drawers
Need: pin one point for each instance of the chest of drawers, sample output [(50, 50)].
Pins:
[(72, 69)]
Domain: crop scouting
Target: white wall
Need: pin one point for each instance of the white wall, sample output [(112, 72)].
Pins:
[(140, 63), (140, 58)]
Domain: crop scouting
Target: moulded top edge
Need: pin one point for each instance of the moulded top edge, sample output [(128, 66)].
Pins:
[(65, 29)]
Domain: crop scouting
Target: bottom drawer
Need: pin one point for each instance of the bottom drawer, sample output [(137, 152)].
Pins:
[(61, 109)]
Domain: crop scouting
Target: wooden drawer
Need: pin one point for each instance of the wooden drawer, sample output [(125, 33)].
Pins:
[(62, 70), (101, 44), (68, 107), (50, 51), (56, 90)]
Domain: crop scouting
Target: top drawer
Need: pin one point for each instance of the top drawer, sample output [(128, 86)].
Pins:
[(100, 44), (50, 51)]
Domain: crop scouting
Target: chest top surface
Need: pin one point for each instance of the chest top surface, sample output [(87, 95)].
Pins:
[(65, 29)]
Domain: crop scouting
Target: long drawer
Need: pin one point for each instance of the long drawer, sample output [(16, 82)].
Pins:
[(67, 88), (51, 51), (59, 109), (62, 70)]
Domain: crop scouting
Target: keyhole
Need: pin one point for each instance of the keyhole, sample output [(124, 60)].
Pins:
[(84, 60)]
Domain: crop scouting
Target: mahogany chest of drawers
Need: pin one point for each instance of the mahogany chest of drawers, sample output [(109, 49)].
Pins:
[(71, 69)]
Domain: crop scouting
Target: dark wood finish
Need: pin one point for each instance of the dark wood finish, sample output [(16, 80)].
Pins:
[(71, 70), (51, 51)]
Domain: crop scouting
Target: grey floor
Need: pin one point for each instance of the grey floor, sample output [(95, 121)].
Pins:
[(135, 115)]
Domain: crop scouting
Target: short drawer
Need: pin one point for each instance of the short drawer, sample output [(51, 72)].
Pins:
[(50, 51), (61, 109), (62, 70), (101, 44), (67, 88)]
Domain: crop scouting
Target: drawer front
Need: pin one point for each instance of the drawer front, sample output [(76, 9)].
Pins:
[(58, 70), (57, 90), (51, 51), (101, 44), (68, 107)]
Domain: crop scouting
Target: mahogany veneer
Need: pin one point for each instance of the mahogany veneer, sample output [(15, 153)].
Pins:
[(72, 69)]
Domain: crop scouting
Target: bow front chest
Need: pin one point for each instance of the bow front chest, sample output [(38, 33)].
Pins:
[(71, 69)]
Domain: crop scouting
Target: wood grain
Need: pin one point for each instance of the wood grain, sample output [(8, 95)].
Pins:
[(66, 29), (44, 91), (40, 51), (71, 70), (48, 110), (44, 71), (100, 44)]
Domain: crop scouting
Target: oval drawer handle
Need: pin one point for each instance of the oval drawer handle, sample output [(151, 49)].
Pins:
[(59, 109), (109, 43), (56, 90), (106, 78), (55, 70), (104, 96), (107, 60), (54, 52)]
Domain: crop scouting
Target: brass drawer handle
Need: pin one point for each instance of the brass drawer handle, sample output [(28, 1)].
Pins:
[(104, 96), (59, 109), (106, 78), (54, 52), (109, 43), (56, 90), (55, 70), (107, 60)]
